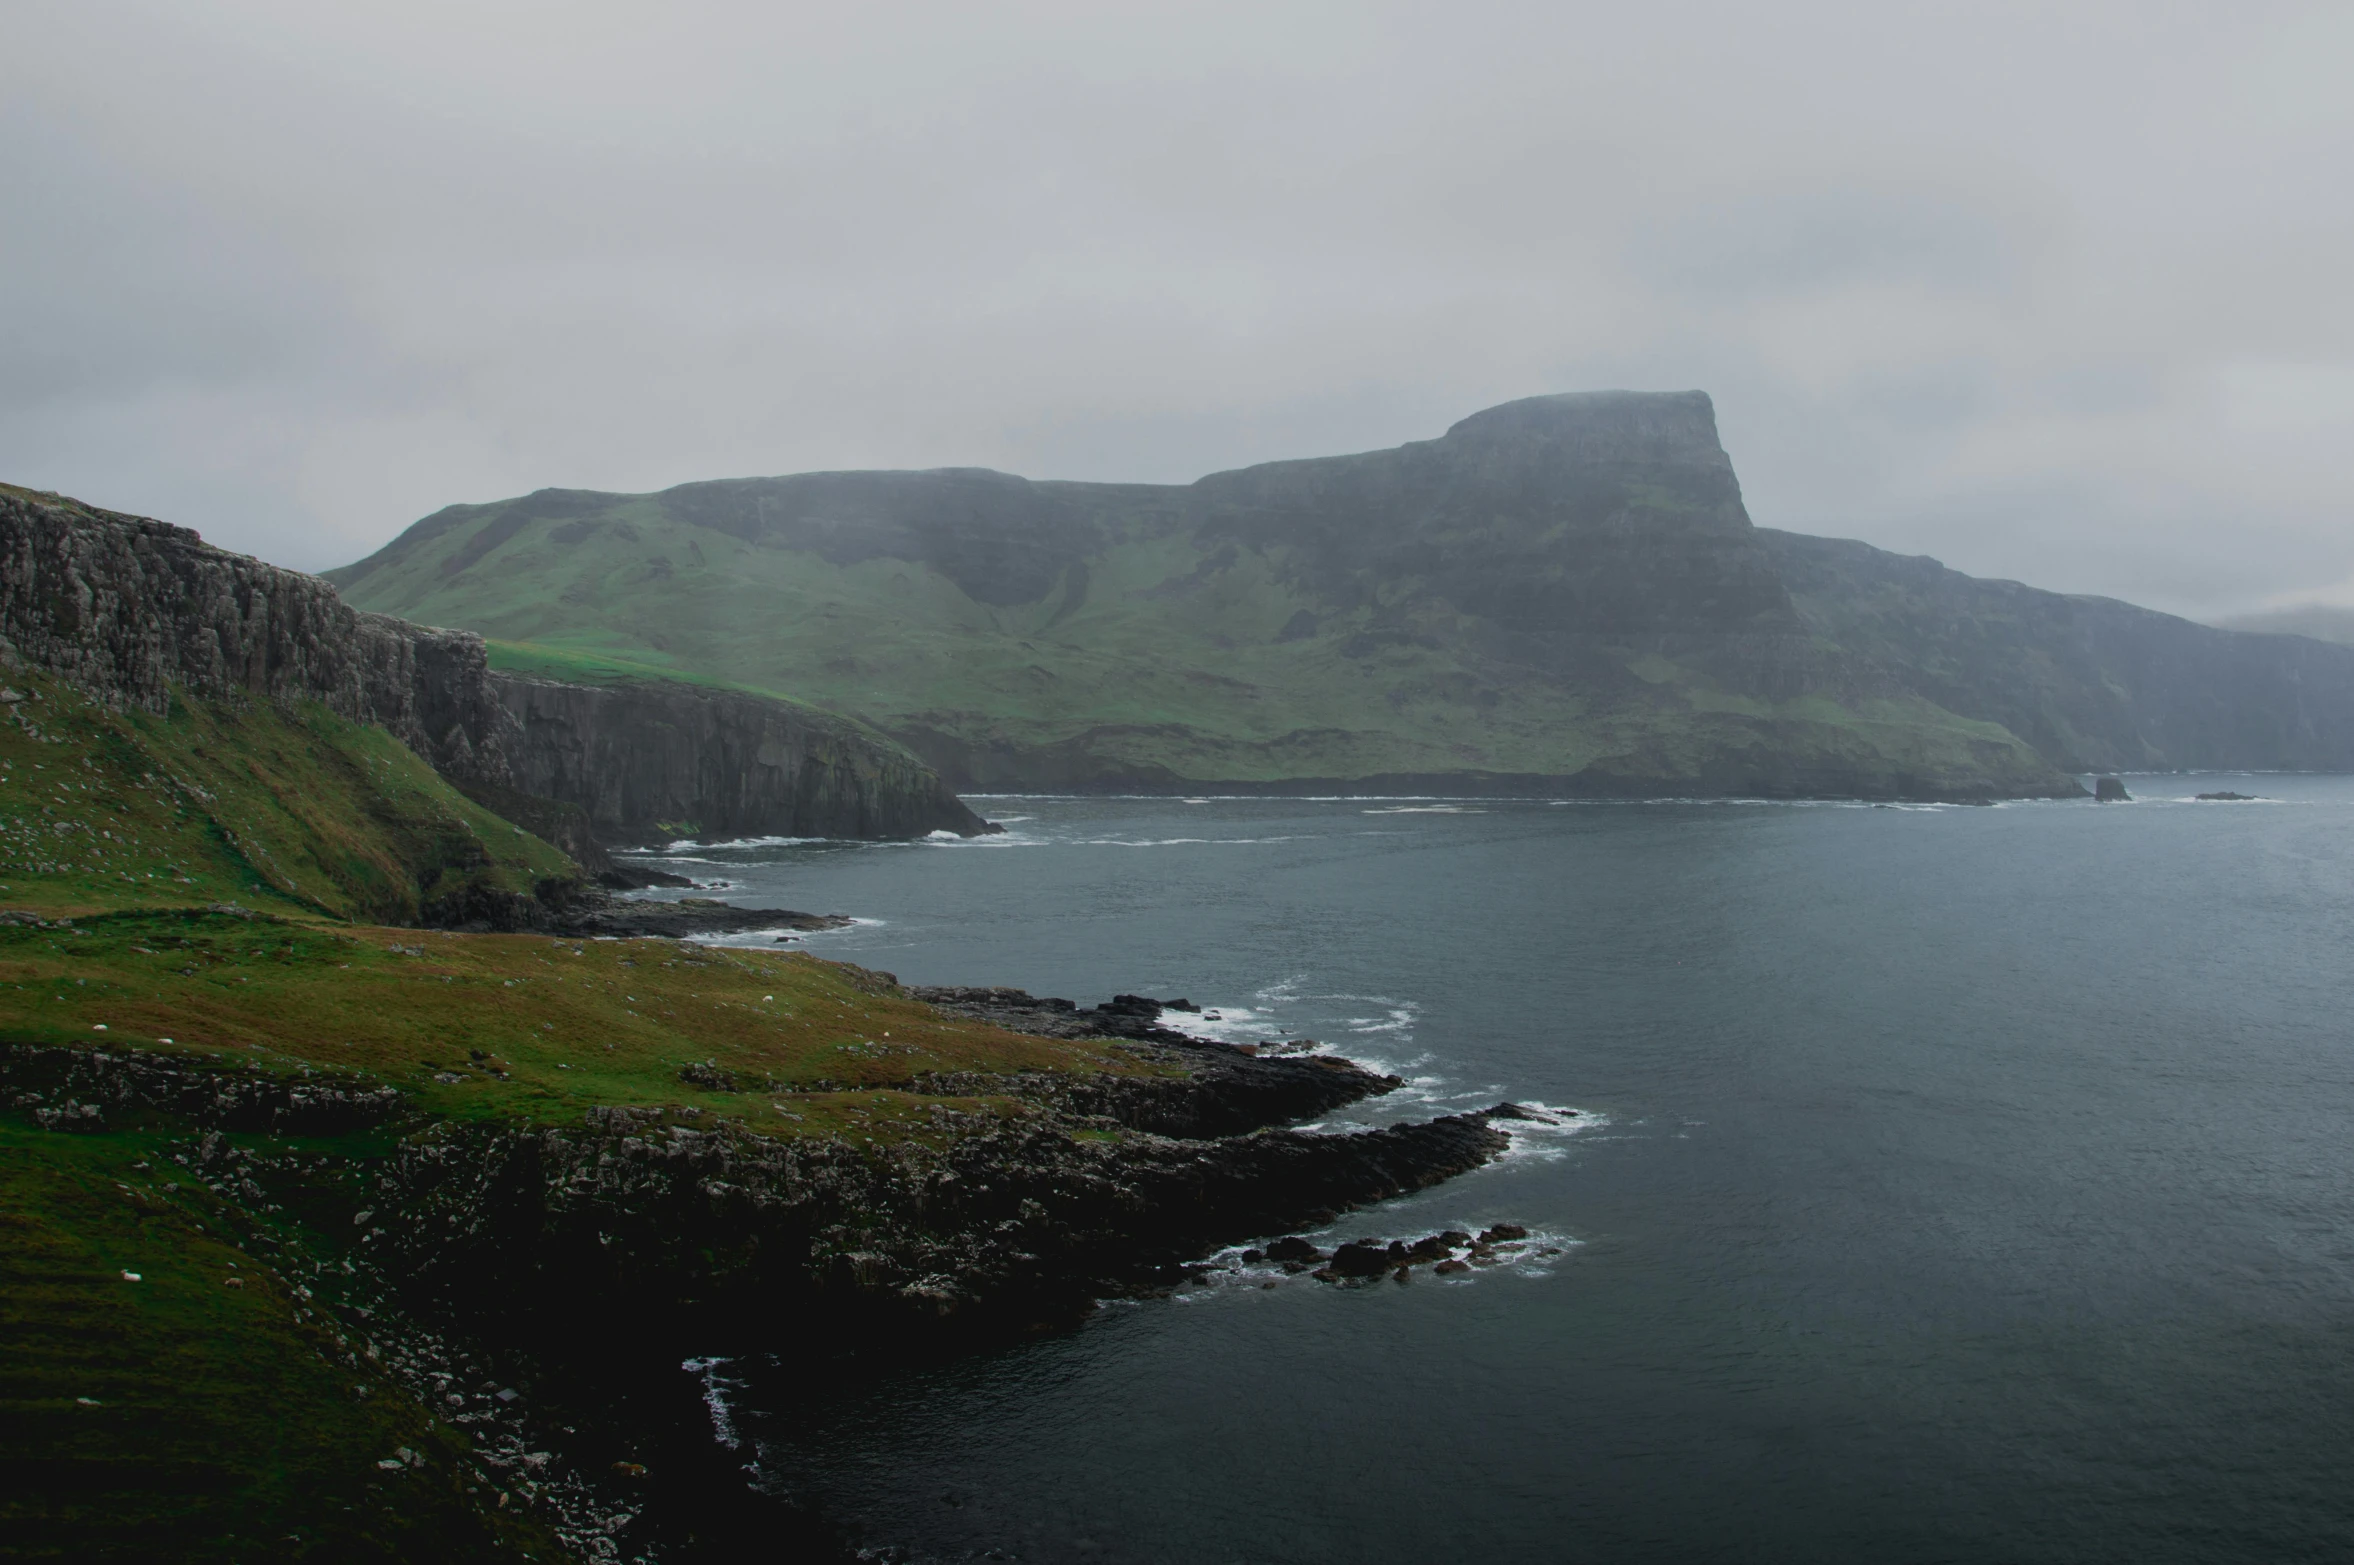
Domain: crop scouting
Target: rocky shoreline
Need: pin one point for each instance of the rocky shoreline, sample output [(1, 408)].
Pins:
[(455, 1253)]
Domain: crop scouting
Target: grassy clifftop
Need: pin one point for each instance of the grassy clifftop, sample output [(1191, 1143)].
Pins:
[(1564, 592), (519, 1029)]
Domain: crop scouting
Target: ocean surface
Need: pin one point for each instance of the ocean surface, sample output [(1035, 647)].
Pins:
[(1942, 1184)]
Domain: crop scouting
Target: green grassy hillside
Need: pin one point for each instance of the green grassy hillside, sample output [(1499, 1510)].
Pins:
[(288, 808), (186, 1371), (1571, 596)]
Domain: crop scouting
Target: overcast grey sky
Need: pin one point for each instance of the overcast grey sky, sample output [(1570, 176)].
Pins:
[(2058, 292)]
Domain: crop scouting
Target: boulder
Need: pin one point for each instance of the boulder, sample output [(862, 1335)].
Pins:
[(1359, 1258)]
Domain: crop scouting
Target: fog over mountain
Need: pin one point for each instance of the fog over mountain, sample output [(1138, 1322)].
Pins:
[(2049, 295)]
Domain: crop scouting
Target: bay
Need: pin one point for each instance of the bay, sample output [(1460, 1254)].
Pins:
[(1947, 1183)]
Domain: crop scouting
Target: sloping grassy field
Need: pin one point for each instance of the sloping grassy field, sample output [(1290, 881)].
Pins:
[(523, 1028)]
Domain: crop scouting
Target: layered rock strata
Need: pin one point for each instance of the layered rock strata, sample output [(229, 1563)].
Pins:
[(129, 609), (648, 760)]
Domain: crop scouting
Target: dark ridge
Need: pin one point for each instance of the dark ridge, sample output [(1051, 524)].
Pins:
[(2093, 684)]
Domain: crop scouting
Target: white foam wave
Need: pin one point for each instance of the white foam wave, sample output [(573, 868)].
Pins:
[(1544, 1135), (770, 935), (716, 1386), (1175, 842), (994, 839)]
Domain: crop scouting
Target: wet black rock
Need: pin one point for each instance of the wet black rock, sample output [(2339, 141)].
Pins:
[(1360, 1258), (1224, 1089), (2110, 791), (2229, 798)]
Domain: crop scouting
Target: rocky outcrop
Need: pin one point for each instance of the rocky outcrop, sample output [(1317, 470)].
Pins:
[(655, 1212), (127, 609), (1209, 1089), (650, 760)]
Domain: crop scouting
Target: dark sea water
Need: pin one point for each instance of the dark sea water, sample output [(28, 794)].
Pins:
[(1955, 1184)]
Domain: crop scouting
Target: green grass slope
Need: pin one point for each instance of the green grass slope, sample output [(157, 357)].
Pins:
[(1521, 602), (202, 1411), (288, 808)]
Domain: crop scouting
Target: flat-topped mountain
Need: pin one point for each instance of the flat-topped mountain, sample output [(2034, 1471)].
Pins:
[(1563, 594)]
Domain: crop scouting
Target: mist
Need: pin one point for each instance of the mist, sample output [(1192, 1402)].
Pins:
[(2050, 295)]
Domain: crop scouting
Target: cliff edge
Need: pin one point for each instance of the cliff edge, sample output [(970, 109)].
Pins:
[(128, 611), (656, 759)]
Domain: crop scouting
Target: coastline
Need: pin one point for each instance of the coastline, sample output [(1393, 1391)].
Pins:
[(534, 1287)]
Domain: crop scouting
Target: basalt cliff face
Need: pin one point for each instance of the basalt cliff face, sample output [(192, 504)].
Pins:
[(126, 608), (647, 760), (1563, 594), (129, 610)]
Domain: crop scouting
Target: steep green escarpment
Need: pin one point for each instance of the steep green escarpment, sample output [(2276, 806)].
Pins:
[(1562, 594), (2093, 684)]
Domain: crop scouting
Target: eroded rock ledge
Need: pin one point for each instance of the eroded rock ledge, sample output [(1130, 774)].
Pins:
[(660, 1212), (1211, 1089)]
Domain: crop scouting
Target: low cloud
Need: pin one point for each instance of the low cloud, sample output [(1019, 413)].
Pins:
[(2051, 293)]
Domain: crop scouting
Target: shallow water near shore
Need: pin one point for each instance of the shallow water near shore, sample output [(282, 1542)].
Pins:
[(1945, 1184)]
